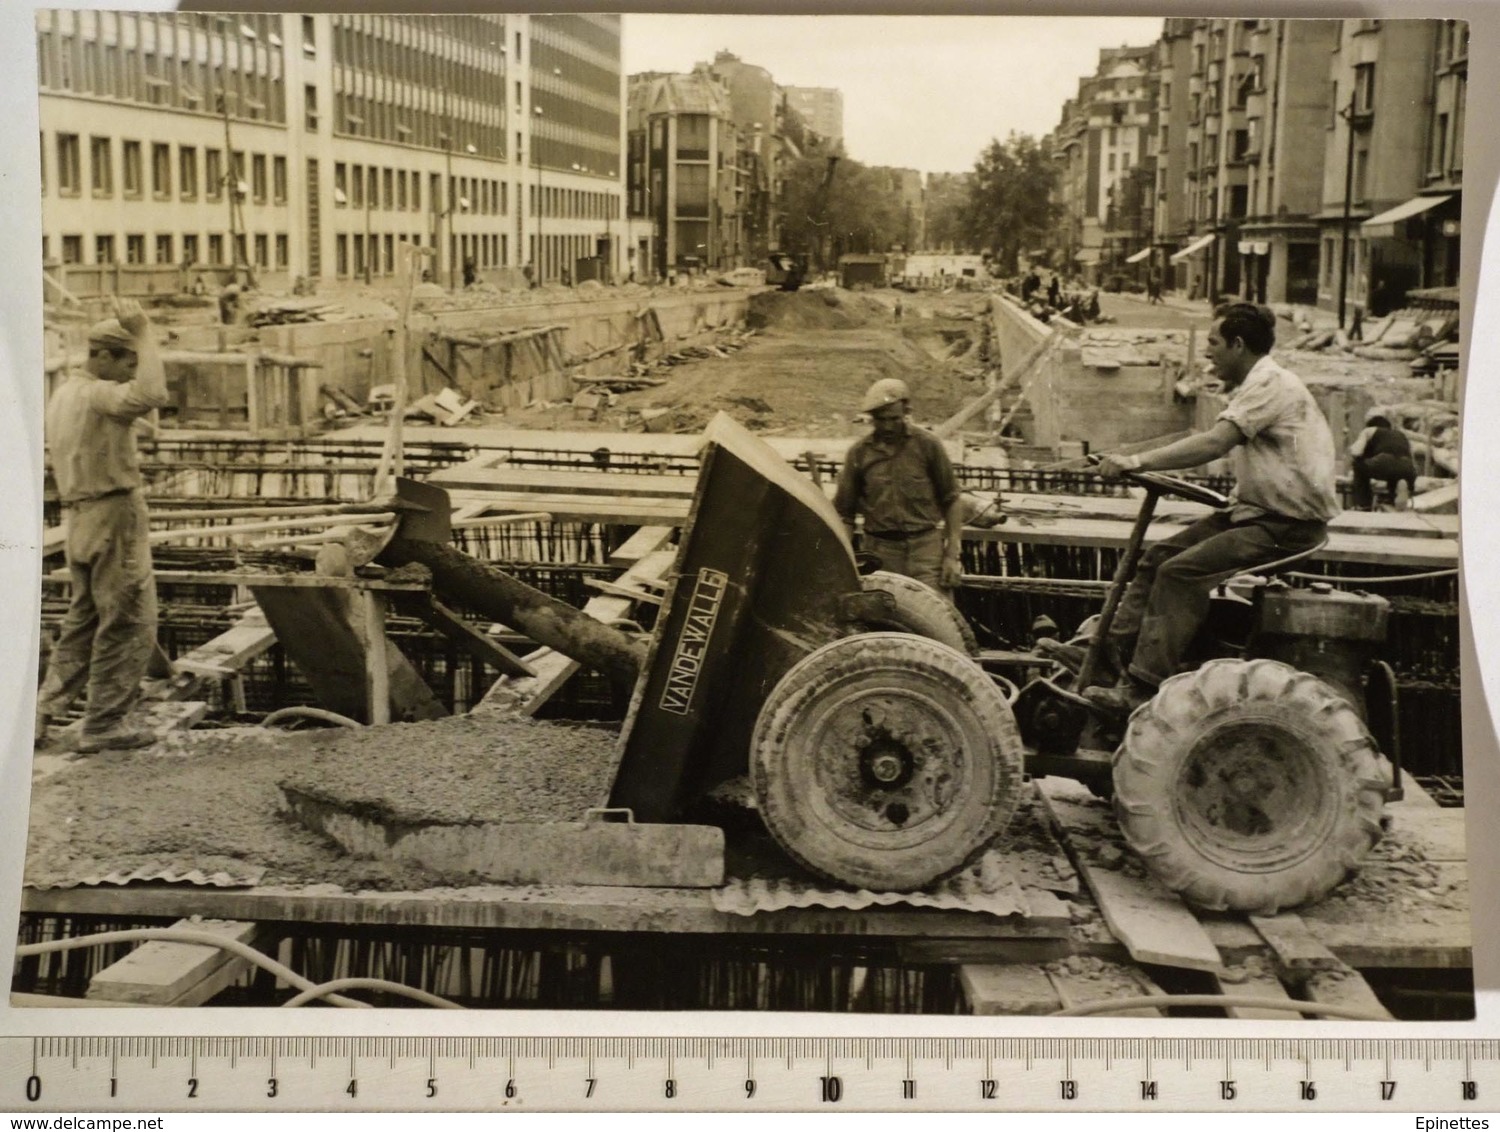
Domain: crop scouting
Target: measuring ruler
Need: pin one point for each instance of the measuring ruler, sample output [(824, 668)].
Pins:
[(439, 1074)]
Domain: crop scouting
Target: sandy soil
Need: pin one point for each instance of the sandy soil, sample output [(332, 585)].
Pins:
[(210, 800)]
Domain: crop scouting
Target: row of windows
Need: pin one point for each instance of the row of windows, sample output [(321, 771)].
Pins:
[(351, 251), (171, 63), (265, 179), (358, 116), (169, 248)]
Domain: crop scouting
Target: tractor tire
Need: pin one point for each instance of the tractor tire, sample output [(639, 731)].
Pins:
[(885, 761), (1249, 786), (920, 609)]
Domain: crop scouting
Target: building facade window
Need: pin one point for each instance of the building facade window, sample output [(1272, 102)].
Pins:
[(72, 249), (258, 177), (283, 251), (262, 250), (135, 248), (340, 184), (187, 172), (161, 170), (213, 174), (164, 248), (310, 108), (69, 177), (190, 248), (101, 167), (130, 168), (215, 248), (104, 249), (278, 179)]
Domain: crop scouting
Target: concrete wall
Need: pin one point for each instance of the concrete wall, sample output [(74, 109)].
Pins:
[(1070, 401), (359, 353)]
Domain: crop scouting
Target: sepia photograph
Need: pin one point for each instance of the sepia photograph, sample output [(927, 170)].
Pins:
[(646, 512)]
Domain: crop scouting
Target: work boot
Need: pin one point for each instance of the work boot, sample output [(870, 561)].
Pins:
[(115, 739), (1123, 698)]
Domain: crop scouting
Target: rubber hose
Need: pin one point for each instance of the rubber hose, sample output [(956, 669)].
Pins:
[(356, 983), (1111, 1006), (299, 711)]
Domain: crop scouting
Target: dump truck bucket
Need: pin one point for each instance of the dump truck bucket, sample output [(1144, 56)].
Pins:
[(764, 575)]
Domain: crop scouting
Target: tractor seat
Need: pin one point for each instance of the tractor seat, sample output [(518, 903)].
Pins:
[(1257, 575)]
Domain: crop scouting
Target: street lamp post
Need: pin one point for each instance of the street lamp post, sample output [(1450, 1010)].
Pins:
[(1347, 114), (536, 157)]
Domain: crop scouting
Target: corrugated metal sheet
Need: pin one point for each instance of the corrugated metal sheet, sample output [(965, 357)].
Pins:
[(986, 886), (243, 877)]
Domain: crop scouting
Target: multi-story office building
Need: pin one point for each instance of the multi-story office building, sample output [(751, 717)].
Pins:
[(314, 145), (822, 108)]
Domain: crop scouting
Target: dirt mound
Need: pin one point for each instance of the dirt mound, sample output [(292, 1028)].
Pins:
[(820, 309)]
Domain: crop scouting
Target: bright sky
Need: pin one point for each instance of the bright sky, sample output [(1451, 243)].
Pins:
[(923, 92)]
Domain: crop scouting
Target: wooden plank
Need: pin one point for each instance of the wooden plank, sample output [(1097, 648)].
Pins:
[(557, 481), (1153, 924), (1437, 500), (371, 608), (1255, 978), (159, 973), (1086, 980), (526, 695), (1296, 948), (993, 989), (1344, 987), (479, 645), (980, 952), (644, 541)]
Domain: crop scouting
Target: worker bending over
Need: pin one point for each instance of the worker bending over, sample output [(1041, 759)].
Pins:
[(1381, 452), (900, 479), (1283, 457), (109, 633)]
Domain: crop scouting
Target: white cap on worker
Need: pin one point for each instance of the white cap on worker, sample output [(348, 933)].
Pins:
[(886, 391), (110, 334)]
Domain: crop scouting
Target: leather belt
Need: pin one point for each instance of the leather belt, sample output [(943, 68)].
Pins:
[(899, 536)]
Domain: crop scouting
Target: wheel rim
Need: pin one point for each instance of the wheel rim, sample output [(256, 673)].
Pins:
[(888, 766), (1253, 794)]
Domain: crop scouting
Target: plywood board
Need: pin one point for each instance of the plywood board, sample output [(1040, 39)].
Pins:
[(1296, 948)]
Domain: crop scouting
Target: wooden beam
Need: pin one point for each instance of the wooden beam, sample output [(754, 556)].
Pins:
[(1098, 980), (1344, 986), (159, 973), (479, 645), (993, 989), (646, 540), (1296, 948)]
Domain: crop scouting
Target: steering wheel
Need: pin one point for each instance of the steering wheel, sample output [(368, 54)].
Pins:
[(1172, 485), (1183, 489)]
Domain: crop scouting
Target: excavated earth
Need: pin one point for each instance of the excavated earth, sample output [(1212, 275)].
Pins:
[(813, 355), (210, 800)]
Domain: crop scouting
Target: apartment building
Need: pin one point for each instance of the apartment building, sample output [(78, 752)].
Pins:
[(822, 108), (314, 145), (684, 175), (1104, 148)]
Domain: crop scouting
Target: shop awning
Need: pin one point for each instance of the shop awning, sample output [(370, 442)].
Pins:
[(1140, 255), (1255, 247), (1194, 248), (1087, 255), (1385, 223)]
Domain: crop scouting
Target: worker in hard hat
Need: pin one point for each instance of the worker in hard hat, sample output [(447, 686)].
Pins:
[(900, 480), (107, 639)]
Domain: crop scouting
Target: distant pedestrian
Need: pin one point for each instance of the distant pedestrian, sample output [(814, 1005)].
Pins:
[(108, 637), (229, 304), (897, 311), (471, 273), (1382, 452), (1153, 286), (1054, 292)]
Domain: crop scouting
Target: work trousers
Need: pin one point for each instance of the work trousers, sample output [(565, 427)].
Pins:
[(919, 557), (1386, 466), (108, 635), (1166, 602)]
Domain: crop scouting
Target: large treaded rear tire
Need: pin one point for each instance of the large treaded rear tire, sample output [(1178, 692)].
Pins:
[(885, 761), (920, 609), (1249, 786)]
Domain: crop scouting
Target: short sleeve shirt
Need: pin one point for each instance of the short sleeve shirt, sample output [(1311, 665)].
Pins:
[(90, 438), (1286, 465), (904, 487)]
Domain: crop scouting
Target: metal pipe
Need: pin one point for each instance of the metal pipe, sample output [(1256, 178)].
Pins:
[(501, 597), (1348, 115)]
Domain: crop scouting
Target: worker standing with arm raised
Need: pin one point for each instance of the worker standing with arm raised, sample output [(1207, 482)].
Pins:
[(900, 479), (109, 632), (1283, 498)]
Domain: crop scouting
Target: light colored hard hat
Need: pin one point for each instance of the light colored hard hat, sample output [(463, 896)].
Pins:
[(886, 391), (109, 333)]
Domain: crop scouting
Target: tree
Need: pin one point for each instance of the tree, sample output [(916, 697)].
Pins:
[(1010, 199), (832, 205), (947, 210)]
